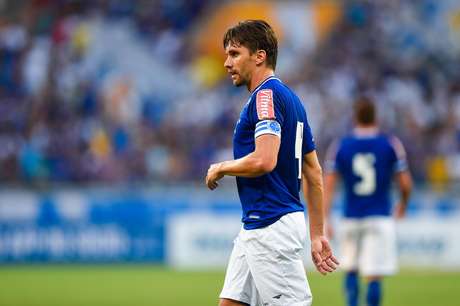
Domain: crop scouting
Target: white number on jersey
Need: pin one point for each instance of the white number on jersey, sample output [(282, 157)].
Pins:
[(298, 146), (363, 166)]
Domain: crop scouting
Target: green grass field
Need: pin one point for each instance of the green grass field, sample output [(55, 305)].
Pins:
[(159, 286)]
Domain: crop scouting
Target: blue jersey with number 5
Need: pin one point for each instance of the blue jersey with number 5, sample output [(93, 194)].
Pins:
[(272, 109), (367, 161)]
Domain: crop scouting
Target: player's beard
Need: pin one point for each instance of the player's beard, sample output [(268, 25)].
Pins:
[(239, 80)]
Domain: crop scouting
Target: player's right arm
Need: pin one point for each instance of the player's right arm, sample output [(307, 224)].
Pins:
[(312, 184), (265, 114)]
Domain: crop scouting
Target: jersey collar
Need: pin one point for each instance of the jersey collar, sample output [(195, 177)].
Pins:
[(272, 77), (364, 132)]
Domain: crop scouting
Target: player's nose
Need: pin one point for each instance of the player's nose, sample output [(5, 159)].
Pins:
[(227, 63)]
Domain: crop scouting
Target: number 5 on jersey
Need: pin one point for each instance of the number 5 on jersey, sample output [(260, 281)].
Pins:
[(363, 166)]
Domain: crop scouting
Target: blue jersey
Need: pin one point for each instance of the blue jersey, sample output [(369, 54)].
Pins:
[(272, 109), (367, 161)]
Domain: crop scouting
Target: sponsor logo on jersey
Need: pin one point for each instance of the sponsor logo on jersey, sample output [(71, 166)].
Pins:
[(264, 103)]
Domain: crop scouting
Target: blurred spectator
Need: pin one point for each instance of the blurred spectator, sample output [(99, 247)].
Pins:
[(114, 91)]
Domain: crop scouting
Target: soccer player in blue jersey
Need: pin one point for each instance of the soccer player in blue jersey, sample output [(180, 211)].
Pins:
[(367, 161), (274, 154)]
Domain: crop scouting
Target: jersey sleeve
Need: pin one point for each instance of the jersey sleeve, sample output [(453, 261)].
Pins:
[(308, 142), (400, 154), (266, 113)]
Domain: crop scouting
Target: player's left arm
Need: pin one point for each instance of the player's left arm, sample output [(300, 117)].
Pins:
[(402, 177), (265, 113), (263, 160), (404, 181), (312, 184)]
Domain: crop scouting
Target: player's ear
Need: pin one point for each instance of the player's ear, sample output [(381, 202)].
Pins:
[(261, 57)]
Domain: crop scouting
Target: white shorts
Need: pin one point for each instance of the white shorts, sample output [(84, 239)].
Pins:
[(266, 266), (368, 245)]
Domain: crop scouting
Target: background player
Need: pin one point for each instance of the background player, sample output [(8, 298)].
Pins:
[(367, 160), (273, 150)]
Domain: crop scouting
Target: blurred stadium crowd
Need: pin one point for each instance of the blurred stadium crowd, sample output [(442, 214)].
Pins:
[(112, 91)]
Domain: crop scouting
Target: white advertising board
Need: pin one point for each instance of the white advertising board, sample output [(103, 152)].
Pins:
[(201, 239), (205, 240)]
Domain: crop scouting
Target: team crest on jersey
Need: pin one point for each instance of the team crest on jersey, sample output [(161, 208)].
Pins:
[(264, 102)]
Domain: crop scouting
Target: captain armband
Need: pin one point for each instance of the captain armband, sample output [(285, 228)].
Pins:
[(267, 127)]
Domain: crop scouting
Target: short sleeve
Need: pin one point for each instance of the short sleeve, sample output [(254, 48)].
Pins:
[(400, 154), (266, 113), (308, 142)]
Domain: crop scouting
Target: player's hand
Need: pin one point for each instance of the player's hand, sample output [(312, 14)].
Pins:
[(321, 254), (214, 174)]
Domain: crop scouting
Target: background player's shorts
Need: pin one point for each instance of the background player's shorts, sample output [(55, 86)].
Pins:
[(266, 267), (368, 245)]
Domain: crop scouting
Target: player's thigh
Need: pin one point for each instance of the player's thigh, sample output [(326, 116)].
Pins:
[(275, 260), (379, 255), (350, 237), (238, 285)]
